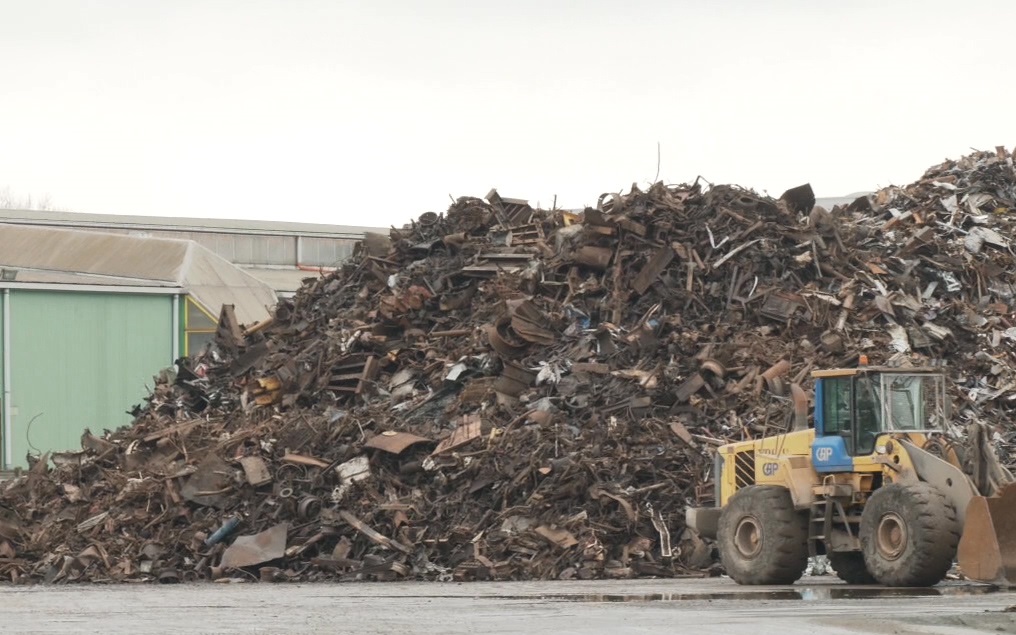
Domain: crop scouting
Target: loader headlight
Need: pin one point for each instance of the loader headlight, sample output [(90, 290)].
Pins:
[(881, 449)]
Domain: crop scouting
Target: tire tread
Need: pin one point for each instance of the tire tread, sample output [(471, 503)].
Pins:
[(785, 536), (933, 530)]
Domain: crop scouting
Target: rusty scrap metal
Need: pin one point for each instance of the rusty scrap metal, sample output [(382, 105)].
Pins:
[(504, 392)]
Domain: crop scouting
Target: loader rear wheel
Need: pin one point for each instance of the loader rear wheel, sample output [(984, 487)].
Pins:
[(849, 567), (762, 538), (909, 535)]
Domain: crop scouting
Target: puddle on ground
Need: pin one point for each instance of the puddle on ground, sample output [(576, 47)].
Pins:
[(803, 593)]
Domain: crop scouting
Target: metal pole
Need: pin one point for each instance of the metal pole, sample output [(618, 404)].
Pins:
[(8, 424), (176, 328)]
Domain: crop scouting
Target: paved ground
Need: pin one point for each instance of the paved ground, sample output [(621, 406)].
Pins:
[(812, 607)]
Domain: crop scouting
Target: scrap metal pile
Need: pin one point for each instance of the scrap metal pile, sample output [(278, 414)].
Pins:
[(511, 393)]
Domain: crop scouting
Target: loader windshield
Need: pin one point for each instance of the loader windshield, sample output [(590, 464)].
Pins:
[(913, 402)]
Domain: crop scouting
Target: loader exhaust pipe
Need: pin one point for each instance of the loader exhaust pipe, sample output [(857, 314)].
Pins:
[(800, 401)]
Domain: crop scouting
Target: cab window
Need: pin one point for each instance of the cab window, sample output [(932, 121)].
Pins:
[(836, 400), (867, 413)]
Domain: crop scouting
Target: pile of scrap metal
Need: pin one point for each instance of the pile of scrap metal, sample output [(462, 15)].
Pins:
[(502, 392)]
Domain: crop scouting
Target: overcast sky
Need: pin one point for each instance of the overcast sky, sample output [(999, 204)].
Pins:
[(370, 113)]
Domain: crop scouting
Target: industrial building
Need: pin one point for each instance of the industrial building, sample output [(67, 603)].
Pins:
[(280, 254), (93, 306)]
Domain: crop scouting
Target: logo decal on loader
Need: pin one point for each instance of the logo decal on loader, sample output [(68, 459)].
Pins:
[(823, 454), (770, 468)]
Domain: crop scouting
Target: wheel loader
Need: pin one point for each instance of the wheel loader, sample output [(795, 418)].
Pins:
[(880, 482)]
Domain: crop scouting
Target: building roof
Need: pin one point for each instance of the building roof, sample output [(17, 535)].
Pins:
[(46, 255), (222, 225), (284, 281)]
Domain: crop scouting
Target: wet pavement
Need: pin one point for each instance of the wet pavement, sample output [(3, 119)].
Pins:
[(815, 591), (817, 605)]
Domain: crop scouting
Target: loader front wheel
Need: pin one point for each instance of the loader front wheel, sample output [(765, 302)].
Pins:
[(909, 535), (849, 567), (762, 538)]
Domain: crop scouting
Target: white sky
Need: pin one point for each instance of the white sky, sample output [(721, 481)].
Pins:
[(372, 112)]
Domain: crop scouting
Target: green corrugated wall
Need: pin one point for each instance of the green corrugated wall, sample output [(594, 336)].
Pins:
[(81, 360), (3, 397)]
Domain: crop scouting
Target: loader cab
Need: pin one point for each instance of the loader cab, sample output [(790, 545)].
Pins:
[(854, 406)]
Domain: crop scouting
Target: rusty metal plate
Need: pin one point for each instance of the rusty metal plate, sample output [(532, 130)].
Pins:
[(256, 470), (247, 551), (466, 432), (394, 442), (211, 484)]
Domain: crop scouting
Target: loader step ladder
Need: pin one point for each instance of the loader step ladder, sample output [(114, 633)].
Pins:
[(824, 511)]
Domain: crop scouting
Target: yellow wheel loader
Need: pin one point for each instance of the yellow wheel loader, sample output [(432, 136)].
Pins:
[(880, 484)]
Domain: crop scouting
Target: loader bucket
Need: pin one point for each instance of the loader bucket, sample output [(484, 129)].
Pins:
[(987, 551)]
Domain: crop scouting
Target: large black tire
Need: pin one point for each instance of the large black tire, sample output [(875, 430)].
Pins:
[(762, 538), (909, 535), (850, 567)]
